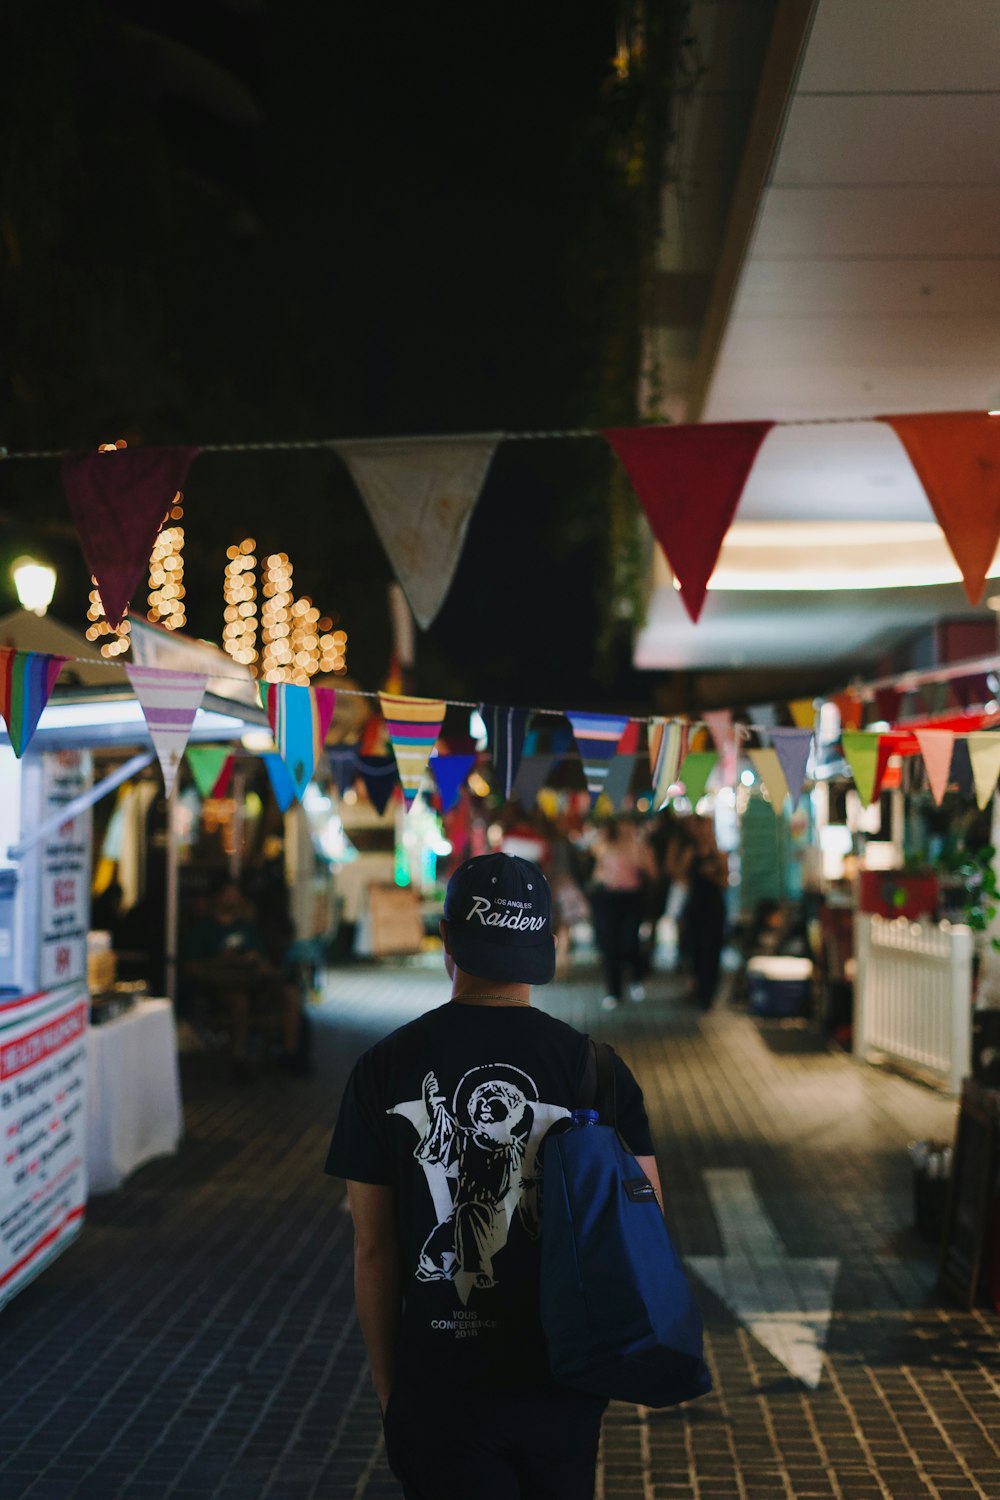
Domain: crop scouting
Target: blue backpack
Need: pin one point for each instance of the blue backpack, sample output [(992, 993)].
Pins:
[(617, 1312)]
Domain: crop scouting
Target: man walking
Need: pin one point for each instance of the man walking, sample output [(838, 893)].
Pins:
[(439, 1138)]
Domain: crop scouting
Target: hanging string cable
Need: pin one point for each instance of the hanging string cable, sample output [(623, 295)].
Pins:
[(304, 445)]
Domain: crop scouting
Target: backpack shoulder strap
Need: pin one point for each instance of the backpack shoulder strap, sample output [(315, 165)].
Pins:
[(598, 1090)]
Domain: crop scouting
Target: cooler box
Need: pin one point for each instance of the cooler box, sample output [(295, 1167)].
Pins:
[(779, 985)]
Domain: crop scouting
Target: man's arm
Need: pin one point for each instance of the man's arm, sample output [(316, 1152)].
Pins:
[(377, 1278)]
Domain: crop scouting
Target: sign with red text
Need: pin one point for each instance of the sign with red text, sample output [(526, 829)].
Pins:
[(64, 904), (43, 1178)]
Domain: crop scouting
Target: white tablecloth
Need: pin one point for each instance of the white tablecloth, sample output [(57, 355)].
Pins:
[(133, 1093)]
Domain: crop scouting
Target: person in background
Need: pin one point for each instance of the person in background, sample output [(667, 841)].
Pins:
[(224, 954), (569, 904), (623, 867), (106, 912), (705, 870)]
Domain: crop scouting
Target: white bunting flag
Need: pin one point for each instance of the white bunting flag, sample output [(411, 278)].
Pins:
[(169, 701), (984, 753), (420, 496)]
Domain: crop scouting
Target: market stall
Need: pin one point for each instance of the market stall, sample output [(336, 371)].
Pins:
[(82, 1104)]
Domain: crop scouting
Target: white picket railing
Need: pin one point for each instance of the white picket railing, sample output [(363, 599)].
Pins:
[(913, 996)]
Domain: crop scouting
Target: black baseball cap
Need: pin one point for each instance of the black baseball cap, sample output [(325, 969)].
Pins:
[(499, 913)]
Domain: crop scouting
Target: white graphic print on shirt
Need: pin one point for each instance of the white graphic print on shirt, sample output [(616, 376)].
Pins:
[(480, 1161)]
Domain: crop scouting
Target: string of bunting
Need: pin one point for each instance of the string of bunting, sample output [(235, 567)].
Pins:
[(607, 744), (421, 493)]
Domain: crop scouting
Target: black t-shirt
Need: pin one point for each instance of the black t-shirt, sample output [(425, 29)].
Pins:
[(451, 1111)]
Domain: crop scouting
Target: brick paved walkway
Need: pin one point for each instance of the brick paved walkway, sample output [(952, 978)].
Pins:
[(199, 1339)]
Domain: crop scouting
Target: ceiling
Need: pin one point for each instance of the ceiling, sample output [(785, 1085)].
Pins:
[(869, 282)]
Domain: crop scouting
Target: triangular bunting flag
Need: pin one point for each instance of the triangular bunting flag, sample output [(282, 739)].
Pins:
[(26, 680), (420, 496), (343, 766), (414, 725), (695, 771), (984, 753), (763, 715), (618, 779), (888, 746), (887, 704), (768, 767), (792, 747), (449, 772), (935, 696), (119, 501), (936, 746), (957, 458), (299, 718), (505, 733), (531, 778), (666, 746), (597, 737), (280, 779), (803, 712), (378, 772), (861, 753), (211, 767), (719, 722), (170, 700), (851, 710), (629, 742), (689, 480)]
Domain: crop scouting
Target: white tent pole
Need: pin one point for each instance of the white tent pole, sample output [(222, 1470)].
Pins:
[(86, 799)]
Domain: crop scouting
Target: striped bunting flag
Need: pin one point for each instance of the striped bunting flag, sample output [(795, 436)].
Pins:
[(666, 746), (169, 701), (299, 718), (597, 737), (26, 680), (414, 725), (505, 731)]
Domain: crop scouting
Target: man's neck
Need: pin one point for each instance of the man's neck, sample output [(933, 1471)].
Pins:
[(481, 992)]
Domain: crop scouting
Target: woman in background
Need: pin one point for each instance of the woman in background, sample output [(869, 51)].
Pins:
[(623, 866)]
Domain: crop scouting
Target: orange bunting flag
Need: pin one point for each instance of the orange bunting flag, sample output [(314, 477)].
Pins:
[(851, 710), (957, 458)]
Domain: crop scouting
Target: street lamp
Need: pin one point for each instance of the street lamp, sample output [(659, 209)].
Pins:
[(35, 583)]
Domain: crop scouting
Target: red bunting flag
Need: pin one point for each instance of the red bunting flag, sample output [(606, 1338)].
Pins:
[(689, 480), (957, 458), (119, 501)]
